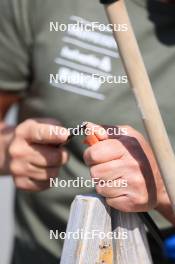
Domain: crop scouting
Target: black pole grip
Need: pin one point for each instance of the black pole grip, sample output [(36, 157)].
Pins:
[(107, 2)]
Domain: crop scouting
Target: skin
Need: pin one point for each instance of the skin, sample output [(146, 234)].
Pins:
[(129, 158), (32, 157), (28, 152)]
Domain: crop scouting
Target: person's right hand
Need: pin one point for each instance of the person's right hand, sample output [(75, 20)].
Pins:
[(35, 155)]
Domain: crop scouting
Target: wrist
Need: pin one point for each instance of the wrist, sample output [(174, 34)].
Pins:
[(6, 135), (163, 200), (164, 207)]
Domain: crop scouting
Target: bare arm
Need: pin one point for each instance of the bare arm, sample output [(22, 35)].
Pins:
[(6, 132)]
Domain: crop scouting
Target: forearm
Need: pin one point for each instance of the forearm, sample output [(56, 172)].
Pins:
[(6, 134), (6, 131)]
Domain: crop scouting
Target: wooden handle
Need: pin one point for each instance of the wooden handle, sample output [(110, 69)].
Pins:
[(143, 92)]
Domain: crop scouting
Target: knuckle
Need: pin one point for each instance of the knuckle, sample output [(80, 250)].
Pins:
[(135, 181), (21, 128), (13, 149), (143, 199), (139, 200), (134, 164), (29, 122), (16, 150), (15, 168), (140, 182), (134, 201)]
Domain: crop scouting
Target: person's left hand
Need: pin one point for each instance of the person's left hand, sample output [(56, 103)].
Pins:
[(126, 163)]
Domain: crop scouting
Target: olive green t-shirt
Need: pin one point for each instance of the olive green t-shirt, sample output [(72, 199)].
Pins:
[(30, 51)]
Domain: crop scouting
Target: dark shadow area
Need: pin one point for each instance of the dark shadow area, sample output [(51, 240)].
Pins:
[(157, 254), (163, 17)]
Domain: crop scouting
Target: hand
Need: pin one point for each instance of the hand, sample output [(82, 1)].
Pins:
[(35, 155), (125, 158)]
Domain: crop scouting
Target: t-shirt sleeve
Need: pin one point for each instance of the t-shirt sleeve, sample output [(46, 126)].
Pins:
[(14, 54)]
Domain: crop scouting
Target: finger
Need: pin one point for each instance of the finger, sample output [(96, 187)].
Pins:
[(26, 184), (37, 154), (110, 170), (42, 133), (121, 203), (111, 189), (40, 174), (97, 130), (104, 151), (22, 169), (47, 156)]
